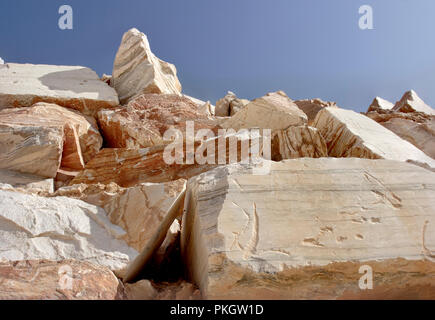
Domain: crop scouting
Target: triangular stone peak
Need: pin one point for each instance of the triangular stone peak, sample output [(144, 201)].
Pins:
[(379, 103), (411, 102), (137, 70)]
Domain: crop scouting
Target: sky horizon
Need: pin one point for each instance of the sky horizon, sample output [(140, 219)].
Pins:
[(307, 48)]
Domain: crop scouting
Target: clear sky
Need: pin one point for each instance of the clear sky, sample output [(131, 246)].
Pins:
[(308, 48)]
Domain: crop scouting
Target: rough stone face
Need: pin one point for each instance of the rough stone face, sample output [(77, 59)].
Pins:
[(137, 70), (35, 149), (238, 104), (107, 78), (82, 140), (204, 107), (12, 179), (380, 104), (416, 127), (141, 290), (312, 106), (350, 134), (420, 135), (79, 88), (180, 290), (229, 105), (155, 236), (144, 121), (58, 280), (274, 111), (138, 210), (145, 290), (304, 230), (129, 167), (298, 142), (411, 102), (223, 105), (64, 177), (60, 228)]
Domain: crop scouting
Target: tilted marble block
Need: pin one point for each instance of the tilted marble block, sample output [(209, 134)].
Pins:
[(350, 134), (34, 228), (305, 230), (75, 87)]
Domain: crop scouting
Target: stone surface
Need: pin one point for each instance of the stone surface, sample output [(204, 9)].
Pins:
[(64, 177), (238, 104), (35, 149), (79, 88), (411, 102), (180, 290), (416, 127), (169, 244), (298, 142), (141, 290), (82, 140), (312, 106), (144, 121), (380, 104), (137, 70), (12, 179), (146, 290), (207, 109), (58, 280), (59, 228), (274, 111), (129, 167), (138, 210), (223, 105), (157, 229), (350, 134), (229, 105), (107, 78), (304, 230), (420, 135), (204, 107)]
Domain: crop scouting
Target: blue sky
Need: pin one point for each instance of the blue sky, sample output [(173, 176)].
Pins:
[(308, 48)]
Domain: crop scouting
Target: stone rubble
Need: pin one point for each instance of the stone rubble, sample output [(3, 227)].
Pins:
[(265, 199)]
